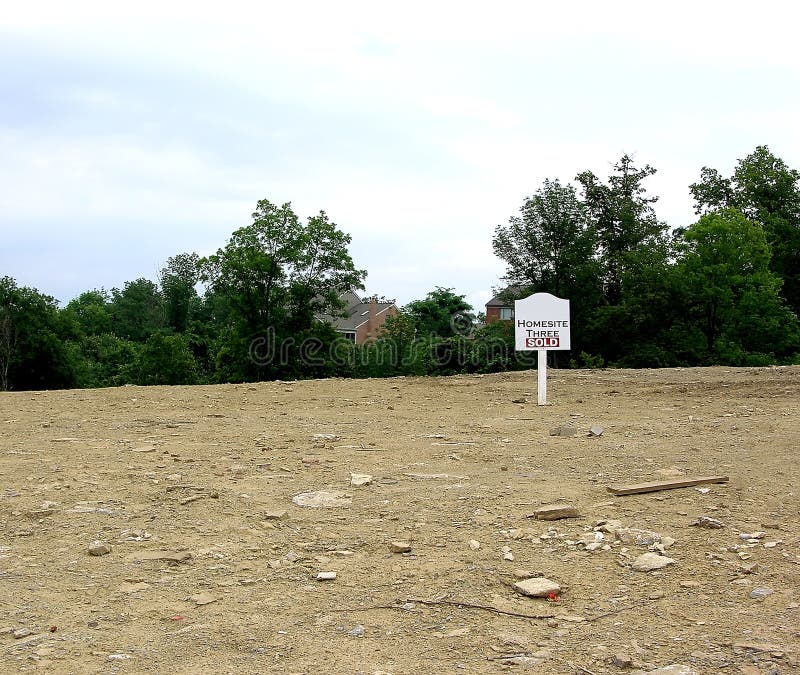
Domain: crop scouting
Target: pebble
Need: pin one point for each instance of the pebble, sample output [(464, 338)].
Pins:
[(622, 661), (564, 431), (203, 599), (98, 547), (596, 431), (674, 669), (326, 576), (647, 562), (360, 479), (400, 547), (709, 523), (761, 592), (474, 544), (539, 587), (21, 633), (555, 512), (322, 499), (358, 631)]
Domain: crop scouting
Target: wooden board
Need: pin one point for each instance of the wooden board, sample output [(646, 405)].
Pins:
[(664, 485)]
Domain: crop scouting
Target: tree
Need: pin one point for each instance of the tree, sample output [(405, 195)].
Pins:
[(272, 278), (442, 314), (178, 279), (92, 312), (163, 359), (550, 246), (32, 350), (731, 290), (767, 192), (624, 221), (137, 310)]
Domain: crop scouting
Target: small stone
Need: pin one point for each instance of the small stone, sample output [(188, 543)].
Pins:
[(594, 546), (400, 547), (674, 669), (753, 535), (508, 556), (326, 576), (647, 562), (325, 437), (360, 479), (555, 512), (523, 574), (98, 547), (667, 542), (564, 431), (321, 499), (708, 523), (21, 633), (689, 584), (203, 599), (761, 592), (622, 661), (656, 595), (519, 400), (539, 587), (358, 631), (596, 431), (474, 544), (275, 514)]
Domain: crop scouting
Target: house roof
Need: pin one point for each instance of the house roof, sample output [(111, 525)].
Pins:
[(357, 310), (506, 297)]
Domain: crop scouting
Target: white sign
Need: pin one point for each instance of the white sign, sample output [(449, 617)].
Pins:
[(541, 321)]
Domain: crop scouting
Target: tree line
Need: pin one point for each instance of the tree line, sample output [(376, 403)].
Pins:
[(724, 290)]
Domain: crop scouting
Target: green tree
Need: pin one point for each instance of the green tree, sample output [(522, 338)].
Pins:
[(137, 310), (624, 221), (731, 290), (442, 314), (767, 192), (32, 347), (92, 312), (178, 279), (163, 359), (272, 278)]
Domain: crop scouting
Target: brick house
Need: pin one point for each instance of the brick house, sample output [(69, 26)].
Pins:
[(501, 306), (364, 316)]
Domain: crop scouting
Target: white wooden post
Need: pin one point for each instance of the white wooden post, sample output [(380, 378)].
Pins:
[(541, 375)]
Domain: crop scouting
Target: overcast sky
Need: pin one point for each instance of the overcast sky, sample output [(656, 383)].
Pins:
[(130, 132)]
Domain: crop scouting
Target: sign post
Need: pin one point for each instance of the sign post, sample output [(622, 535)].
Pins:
[(541, 323)]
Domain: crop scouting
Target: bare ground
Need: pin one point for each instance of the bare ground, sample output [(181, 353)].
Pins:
[(451, 460)]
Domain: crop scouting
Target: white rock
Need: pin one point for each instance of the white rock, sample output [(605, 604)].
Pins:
[(326, 576), (98, 547), (539, 587), (360, 479), (322, 499), (474, 544), (647, 562)]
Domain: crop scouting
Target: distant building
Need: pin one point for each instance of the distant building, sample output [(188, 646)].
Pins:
[(501, 306), (364, 316)]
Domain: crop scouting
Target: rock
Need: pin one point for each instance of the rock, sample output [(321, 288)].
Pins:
[(564, 431), (596, 431), (326, 576), (98, 547), (647, 562), (524, 574), (554, 512), (674, 669), (358, 631), (761, 592), (634, 536), (275, 514), (21, 633), (622, 660), (203, 599), (539, 587), (321, 499), (128, 587), (508, 556), (593, 546), (754, 535), (474, 544), (708, 523), (657, 595), (360, 479), (519, 400), (689, 584), (400, 547), (325, 437), (667, 542)]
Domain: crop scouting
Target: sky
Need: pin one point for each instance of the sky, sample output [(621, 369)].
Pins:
[(131, 132)]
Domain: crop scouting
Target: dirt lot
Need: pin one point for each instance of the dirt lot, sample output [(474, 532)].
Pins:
[(227, 581)]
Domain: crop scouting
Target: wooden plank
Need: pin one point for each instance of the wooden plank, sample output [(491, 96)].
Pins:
[(664, 485)]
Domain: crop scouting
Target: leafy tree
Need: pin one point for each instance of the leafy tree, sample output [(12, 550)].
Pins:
[(624, 221), (32, 350), (275, 275), (767, 192), (549, 246), (137, 310), (731, 290), (92, 312), (178, 280), (442, 313), (163, 359)]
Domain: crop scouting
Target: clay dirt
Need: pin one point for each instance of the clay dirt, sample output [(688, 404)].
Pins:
[(213, 568)]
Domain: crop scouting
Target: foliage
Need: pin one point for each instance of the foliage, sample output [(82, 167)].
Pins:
[(441, 314), (163, 359), (137, 310), (767, 192)]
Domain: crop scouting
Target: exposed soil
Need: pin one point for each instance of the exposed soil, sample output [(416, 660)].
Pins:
[(451, 460)]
